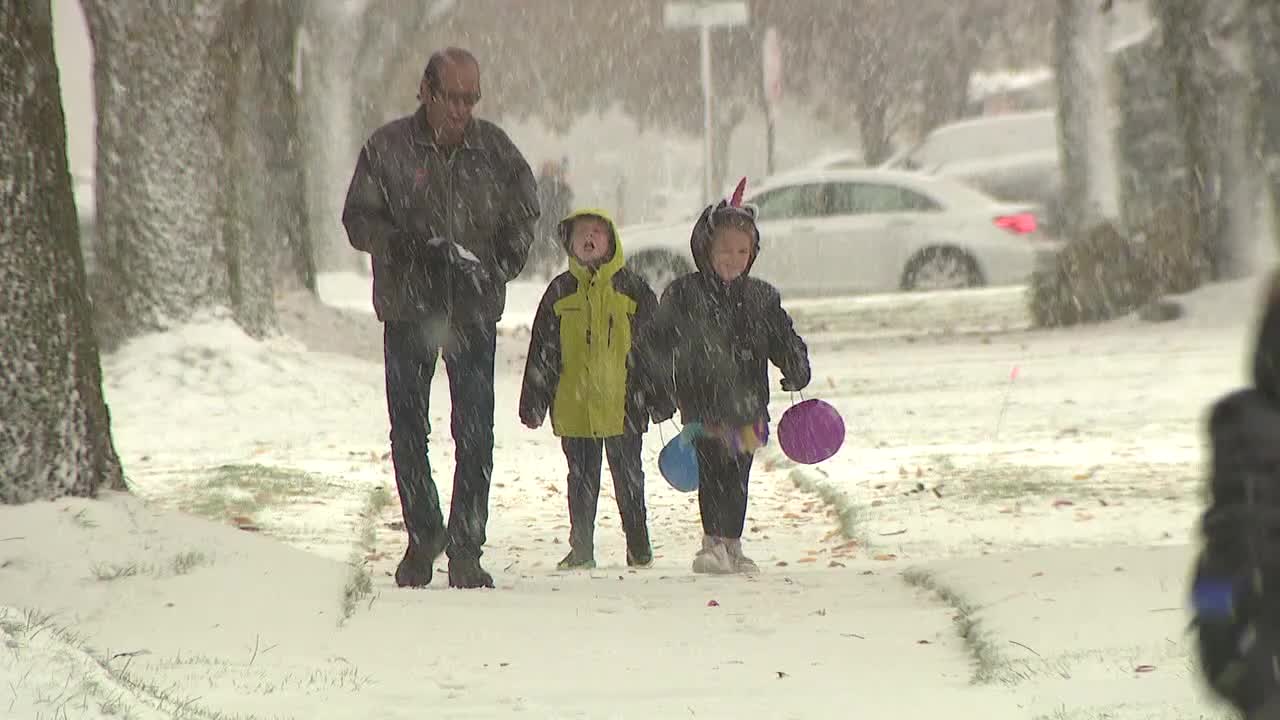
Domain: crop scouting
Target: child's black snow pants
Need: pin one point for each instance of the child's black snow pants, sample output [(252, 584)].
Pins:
[(584, 459), (722, 487)]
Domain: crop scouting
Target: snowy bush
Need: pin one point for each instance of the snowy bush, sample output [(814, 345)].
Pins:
[(1176, 259), (1104, 274), (1097, 277)]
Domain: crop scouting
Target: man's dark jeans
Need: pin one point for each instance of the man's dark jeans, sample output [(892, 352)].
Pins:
[(410, 351)]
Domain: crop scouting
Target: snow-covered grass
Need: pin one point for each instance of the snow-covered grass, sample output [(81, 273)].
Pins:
[(249, 575)]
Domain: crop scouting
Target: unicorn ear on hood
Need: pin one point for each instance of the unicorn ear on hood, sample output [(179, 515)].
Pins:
[(736, 200)]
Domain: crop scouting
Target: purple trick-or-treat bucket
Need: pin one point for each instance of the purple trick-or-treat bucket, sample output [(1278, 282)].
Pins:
[(811, 431)]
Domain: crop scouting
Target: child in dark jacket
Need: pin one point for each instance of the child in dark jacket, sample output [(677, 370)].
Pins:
[(1236, 588), (721, 328), (587, 364)]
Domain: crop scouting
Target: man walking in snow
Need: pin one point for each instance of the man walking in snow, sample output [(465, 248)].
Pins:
[(446, 205)]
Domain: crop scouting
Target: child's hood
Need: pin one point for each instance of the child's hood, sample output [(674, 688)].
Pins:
[(722, 212), (615, 259)]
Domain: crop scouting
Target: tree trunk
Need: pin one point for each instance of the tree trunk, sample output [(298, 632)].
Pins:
[(162, 182), (1194, 100), (1266, 48), (873, 129), (1239, 145), (249, 229), (1085, 145), (55, 430), (277, 25), (330, 142), (944, 88)]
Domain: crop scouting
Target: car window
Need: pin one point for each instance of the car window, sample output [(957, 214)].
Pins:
[(862, 198), (787, 203)]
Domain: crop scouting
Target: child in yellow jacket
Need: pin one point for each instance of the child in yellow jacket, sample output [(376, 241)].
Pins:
[(588, 364)]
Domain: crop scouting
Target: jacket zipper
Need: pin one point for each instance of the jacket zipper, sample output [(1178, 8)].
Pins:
[(448, 297)]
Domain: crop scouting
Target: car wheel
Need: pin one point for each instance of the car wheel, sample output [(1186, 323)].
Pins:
[(659, 269), (941, 268)]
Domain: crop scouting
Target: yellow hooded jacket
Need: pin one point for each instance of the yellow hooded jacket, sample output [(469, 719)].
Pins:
[(587, 358)]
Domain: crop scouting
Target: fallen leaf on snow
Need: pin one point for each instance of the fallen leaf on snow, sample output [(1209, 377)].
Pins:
[(886, 556), (807, 559), (834, 564), (245, 523), (1062, 503), (1144, 668), (712, 603)]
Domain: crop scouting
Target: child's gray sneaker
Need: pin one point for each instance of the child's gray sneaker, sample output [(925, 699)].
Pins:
[(741, 563), (713, 558)]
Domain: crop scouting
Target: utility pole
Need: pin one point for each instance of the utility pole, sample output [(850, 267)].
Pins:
[(704, 16)]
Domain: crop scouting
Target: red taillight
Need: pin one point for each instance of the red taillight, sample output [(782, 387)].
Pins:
[(1020, 223)]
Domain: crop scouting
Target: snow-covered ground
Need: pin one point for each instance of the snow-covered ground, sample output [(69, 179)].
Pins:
[(989, 543)]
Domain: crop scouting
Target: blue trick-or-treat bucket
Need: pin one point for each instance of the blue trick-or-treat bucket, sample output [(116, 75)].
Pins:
[(678, 461)]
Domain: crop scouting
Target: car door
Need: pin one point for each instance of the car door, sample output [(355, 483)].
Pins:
[(871, 232), (786, 217)]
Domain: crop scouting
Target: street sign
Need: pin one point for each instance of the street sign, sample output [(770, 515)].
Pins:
[(704, 14)]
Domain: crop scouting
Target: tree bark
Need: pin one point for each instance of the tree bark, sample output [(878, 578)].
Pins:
[(1182, 28), (55, 434), (1239, 144), (277, 25), (872, 90), (1085, 145), (330, 142), (944, 87), (250, 232), (1266, 49), (162, 182)]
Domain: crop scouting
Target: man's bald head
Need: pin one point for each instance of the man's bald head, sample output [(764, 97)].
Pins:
[(449, 91), (432, 74)]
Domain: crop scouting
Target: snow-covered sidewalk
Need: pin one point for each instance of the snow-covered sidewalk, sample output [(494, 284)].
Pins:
[(877, 564), (1079, 633)]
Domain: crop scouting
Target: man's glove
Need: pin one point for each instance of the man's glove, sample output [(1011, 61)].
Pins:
[(464, 261), (660, 412), (790, 385), (531, 420)]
